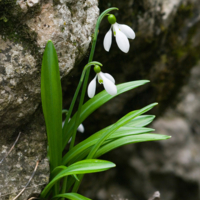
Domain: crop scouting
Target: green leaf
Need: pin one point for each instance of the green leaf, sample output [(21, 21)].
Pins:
[(120, 142), (141, 121), (81, 167), (121, 132), (72, 196), (128, 140), (94, 103), (57, 170), (76, 177), (124, 120), (51, 95)]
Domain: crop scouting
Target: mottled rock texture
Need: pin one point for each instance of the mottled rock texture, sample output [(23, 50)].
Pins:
[(69, 24), (17, 168), (26, 26)]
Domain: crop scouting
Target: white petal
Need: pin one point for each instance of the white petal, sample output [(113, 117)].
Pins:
[(122, 40), (109, 86), (63, 123), (81, 128), (107, 40), (109, 77), (70, 140), (127, 31), (92, 88)]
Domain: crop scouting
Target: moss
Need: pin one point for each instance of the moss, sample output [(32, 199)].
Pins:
[(56, 2), (180, 57), (5, 7), (13, 27)]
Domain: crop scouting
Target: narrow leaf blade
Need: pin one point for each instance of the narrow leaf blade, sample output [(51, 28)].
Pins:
[(51, 95), (94, 103), (81, 167), (129, 140), (141, 121), (72, 196)]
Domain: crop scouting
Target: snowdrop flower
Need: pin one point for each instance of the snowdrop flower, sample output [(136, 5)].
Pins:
[(121, 32), (103, 78), (80, 128)]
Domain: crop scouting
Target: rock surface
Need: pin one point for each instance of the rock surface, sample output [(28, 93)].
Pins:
[(18, 166), (69, 24), (26, 26)]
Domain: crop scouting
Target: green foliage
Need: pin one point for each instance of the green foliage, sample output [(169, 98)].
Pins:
[(81, 167), (51, 95), (94, 103), (80, 159), (72, 196)]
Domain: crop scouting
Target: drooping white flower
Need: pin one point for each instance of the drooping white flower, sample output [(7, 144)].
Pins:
[(121, 32), (80, 128), (103, 78)]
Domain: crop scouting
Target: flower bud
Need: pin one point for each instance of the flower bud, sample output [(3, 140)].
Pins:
[(97, 69), (111, 19)]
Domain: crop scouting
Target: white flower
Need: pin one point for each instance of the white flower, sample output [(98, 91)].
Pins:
[(122, 33), (80, 128), (108, 83)]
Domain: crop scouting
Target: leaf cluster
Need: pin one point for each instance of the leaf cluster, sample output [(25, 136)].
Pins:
[(83, 157)]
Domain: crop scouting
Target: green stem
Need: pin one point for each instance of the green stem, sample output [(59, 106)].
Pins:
[(64, 186), (76, 93), (77, 183)]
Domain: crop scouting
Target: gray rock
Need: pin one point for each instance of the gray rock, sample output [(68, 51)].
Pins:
[(26, 26), (174, 171), (18, 166), (69, 25)]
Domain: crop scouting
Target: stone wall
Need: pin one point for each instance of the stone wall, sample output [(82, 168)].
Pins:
[(26, 26)]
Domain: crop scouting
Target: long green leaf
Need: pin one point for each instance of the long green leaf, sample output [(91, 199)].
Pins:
[(141, 121), (94, 103), (124, 120), (57, 170), (51, 94), (117, 143), (81, 167), (71, 196), (123, 131), (120, 142), (128, 140)]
